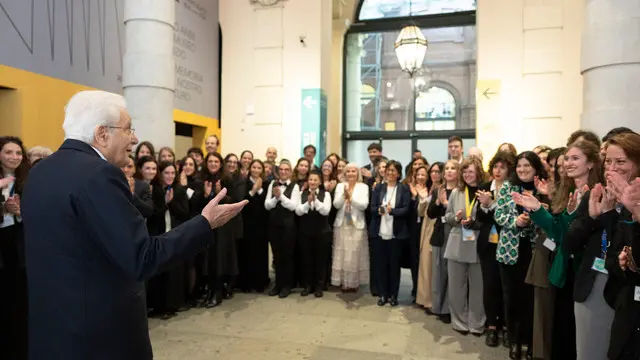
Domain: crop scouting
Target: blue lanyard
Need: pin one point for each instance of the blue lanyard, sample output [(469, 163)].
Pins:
[(605, 244)]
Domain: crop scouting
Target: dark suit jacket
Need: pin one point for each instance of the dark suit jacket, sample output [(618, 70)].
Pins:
[(88, 254), (400, 212), (142, 198), (584, 239), (486, 249), (621, 284)]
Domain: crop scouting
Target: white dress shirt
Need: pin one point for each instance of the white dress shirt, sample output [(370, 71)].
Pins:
[(288, 203), (323, 207)]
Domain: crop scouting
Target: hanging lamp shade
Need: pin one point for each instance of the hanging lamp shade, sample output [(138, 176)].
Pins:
[(411, 47)]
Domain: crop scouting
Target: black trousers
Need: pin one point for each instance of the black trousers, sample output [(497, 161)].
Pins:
[(518, 297), (492, 287), (283, 243), (374, 283), (414, 256), (564, 320), (253, 261), (313, 248), (13, 295), (389, 253)]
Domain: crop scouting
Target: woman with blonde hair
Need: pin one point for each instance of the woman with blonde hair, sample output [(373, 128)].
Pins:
[(350, 267)]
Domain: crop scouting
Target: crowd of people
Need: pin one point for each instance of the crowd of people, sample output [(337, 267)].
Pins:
[(535, 253)]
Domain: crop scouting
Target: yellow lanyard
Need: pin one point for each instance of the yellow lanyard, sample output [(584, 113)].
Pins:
[(468, 206)]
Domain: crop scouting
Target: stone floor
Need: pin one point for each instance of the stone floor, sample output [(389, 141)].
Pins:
[(337, 326)]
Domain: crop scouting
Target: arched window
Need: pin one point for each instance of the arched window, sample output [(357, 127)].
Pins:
[(435, 110), (387, 9)]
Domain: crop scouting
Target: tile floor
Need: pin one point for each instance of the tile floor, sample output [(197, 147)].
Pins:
[(337, 326)]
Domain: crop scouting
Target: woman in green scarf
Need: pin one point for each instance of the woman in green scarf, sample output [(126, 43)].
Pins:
[(583, 171)]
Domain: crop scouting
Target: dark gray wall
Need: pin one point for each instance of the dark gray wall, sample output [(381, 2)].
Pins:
[(82, 41)]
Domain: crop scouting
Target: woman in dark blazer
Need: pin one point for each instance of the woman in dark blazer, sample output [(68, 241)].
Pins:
[(390, 208), (13, 277), (622, 163), (502, 166), (140, 190), (253, 252), (190, 180), (166, 290)]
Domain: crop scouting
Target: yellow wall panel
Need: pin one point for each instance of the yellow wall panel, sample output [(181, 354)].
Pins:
[(32, 107)]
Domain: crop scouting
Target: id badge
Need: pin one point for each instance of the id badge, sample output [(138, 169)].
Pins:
[(598, 265), (549, 244), (636, 294), (348, 218), (468, 234), (493, 235)]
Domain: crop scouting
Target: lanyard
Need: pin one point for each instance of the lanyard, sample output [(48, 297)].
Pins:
[(468, 205), (604, 244)]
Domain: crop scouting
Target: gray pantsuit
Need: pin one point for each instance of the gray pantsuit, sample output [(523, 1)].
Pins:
[(465, 287), (439, 281), (593, 323), (465, 274)]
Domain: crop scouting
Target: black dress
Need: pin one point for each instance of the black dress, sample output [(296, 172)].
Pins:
[(253, 249), (166, 290)]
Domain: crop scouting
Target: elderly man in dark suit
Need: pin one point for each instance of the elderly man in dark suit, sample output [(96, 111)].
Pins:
[(87, 247)]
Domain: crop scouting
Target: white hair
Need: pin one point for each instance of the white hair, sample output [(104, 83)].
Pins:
[(355, 166), (88, 110)]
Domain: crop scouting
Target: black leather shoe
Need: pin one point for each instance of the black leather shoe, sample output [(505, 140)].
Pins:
[(428, 311), (284, 293), (318, 293), (393, 301), (515, 352), (228, 295), (306, 291), (492, 339), (275, 291), (529, 355), (445, 318), (382, 301)]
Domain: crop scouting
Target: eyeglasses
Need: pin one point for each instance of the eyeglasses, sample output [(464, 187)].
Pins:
[(128, 130)]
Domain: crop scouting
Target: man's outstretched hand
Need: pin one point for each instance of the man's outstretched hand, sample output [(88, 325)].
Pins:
[(218, 215)]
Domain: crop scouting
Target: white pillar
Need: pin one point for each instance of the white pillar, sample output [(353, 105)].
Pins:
[(148, 75), (611, 65)]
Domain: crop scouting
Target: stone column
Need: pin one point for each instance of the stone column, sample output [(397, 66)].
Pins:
[(354, 83), (611, 65), (148, 75)]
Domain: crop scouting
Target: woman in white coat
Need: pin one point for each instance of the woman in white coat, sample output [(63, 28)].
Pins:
[(350, 267)]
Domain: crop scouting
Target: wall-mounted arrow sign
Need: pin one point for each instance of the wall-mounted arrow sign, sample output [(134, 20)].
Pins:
[(488, 92), (309, 102)]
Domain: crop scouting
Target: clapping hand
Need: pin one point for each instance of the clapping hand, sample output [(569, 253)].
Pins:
[(257, 186), (616, 184), (459, 216), (442, 196), (526, 200), (183, 178), (631, 198), (168, 196), (208, 188), (12, 205), (132, 184), (218, 215), (484, 197), (600, 201), (218, 186), (523, 220), (541, 185), (466, 222), (4, 182), (572, 204), (276, 192)]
